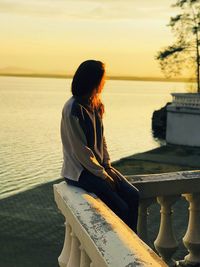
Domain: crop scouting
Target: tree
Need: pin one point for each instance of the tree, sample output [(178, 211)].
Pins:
[(185, 51)]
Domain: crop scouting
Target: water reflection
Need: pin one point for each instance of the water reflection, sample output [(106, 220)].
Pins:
[(30, 108)]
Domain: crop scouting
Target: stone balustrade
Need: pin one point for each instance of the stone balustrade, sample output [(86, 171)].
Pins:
[(166, 189), (186, 100), (95, 236)]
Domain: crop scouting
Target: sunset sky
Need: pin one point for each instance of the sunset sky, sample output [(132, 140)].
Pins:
[(54, 36)]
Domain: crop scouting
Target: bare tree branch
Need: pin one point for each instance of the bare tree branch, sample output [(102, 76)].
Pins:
[(185, 51)]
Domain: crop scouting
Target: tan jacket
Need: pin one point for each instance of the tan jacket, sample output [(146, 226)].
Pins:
[(84, 144)]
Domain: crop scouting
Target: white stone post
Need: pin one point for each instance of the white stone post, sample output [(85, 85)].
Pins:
[(142, 218), (165, 243), (85, 260), (191, 239), (74, 258), (64, 256)]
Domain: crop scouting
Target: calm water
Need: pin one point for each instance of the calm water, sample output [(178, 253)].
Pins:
[(30, 110)]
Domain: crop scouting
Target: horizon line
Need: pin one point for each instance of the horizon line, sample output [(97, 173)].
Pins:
[(109, 77)]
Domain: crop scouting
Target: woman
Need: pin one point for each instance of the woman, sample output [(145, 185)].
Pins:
[(86, 159)]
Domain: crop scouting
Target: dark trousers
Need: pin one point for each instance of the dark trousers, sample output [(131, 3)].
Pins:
[(123, 202)]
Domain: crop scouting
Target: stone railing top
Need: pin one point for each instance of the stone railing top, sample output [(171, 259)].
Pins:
[(173, 183), (188, 95), (186, 100), (100, 231)]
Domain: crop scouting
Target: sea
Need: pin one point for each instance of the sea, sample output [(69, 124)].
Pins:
[(30, 113)]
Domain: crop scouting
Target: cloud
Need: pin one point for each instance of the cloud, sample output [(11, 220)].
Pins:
[(43, 7)]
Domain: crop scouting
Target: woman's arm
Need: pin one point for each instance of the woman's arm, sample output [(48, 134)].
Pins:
[(80, 149), (106, 156)]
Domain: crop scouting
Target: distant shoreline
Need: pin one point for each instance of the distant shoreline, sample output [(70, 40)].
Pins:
[(127, 78)]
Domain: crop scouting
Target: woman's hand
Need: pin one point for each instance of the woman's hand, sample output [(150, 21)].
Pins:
[(113, 175), (111, 182)]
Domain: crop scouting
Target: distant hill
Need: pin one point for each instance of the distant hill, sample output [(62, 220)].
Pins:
[(146, 78), (20, 72), (15, 70)]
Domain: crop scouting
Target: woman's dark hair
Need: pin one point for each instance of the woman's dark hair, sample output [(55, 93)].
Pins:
[(86, 82), (87, 78)]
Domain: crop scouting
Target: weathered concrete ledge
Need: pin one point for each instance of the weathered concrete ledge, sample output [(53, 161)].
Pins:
[(95, 235)]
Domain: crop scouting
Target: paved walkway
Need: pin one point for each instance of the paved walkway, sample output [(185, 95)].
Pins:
[(31, 229), (171, 154), (163, 159)]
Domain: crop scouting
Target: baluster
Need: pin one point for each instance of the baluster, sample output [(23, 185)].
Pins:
[(191, 239), (142, 218), (64, 256), (165, 242), (85, 260), (74, 258)]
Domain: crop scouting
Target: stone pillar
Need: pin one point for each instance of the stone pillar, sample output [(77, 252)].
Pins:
[(74, 258), (165, 242), (142, 218), (191, 239), (85, 260), (64, 256)]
